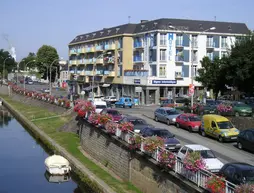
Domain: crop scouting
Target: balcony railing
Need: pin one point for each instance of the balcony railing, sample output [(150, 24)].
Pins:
[(179, 59), (138, 44), (90, 49), (210, 44), (73, 62), (194, 43), (89, 72), (99, 72), (99, 61), (143, 73), (110, 46), (82, 73), (112, 73), (224, 45), (99, 48), (73, 51), (91, 60), (138, 59)]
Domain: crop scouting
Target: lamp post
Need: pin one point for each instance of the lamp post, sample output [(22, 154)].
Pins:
[(50, 71), (192, 58), (25, 69), (18, 70), (4, 66), (101, 55)]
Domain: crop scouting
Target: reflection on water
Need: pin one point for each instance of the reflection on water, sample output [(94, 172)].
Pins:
[(56, 179), (22, 162)]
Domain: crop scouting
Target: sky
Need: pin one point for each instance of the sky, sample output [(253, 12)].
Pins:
[(29, 24)]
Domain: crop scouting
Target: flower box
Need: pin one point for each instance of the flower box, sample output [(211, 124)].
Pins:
[(126, 137), (118, 132)]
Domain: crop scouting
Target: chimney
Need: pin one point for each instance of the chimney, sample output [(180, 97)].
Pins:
[(143, 21)]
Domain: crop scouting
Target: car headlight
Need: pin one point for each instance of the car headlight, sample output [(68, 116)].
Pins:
[(225, 134), (174, 119), (236, 130), (178, 144)]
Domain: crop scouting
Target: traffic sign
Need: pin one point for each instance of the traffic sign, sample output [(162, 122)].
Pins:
[(191, 89)]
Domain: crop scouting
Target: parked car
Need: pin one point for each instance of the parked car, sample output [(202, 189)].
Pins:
[(213, 164), (245, 140), (171, 143), (238, 173), (241, 109), (124, 102), (166, 114), (218, 127), (137, 122), (191, 122), (116, 115), (99, 106), (111, 99)]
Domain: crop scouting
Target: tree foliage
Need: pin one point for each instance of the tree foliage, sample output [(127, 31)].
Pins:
[(10, 63), (46, 55), (30, 62)]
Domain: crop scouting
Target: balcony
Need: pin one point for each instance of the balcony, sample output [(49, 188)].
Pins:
[(90, 49), (179, 43), (72, 52), (106, 72), (178, 75), (136, 73), (112, 74), (99, 72), (179, 59), (79, 61), (110, 47), (194, 44), (82, 73), (138, 44), (99, 61), (99, 48), (73, 62), (138, 59), (210, 45), (89, 73)]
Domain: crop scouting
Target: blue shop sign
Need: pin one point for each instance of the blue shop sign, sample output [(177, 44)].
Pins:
[(136, 81), (164, 81)]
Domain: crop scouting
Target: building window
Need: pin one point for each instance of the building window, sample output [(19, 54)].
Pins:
[(153, 71), (210, 55), (162, 55), (223, 42), (179, 40), (194, 41), (163, 39), (195, 56), (162, 72), (224, 54), (209, 42)]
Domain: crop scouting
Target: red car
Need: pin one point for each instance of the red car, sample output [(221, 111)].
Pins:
[(188, 121), (114, 113)]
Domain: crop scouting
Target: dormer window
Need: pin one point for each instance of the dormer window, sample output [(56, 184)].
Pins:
[(81, 37), (142, 27), (101, 32), (117, 29), (229, 28), (200, 26), (76, 39), (109, 31), (94, 34), (155, 24), (170, 25)]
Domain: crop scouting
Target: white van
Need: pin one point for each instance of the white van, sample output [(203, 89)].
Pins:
[(99, 106)]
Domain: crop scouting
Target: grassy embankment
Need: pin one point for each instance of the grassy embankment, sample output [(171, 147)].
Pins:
[(70, 142)]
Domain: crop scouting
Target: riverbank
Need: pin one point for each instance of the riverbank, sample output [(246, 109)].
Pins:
[(67, 143)]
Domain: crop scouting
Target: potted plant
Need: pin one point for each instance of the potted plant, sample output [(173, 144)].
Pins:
[(194, 162), (136, 141), (111, 127), (216, 184), (122, 131), (245, 188), (166, 158), (94, 118), (89, 107), (151, 144), (67, 104), (104, 118)]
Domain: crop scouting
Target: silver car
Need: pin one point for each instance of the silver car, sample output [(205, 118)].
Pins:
[(166, 114)]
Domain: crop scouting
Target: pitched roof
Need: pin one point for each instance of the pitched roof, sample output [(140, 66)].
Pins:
[(164, 24)]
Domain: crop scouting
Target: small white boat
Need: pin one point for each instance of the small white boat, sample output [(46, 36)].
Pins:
[(57, 165)]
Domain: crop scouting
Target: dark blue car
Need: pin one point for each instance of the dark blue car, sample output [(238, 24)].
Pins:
[(171, 143)]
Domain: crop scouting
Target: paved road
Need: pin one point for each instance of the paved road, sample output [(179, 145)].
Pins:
[(39, 86), (226, 152)]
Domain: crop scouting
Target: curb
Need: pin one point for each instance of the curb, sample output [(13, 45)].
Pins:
[(77, 164)]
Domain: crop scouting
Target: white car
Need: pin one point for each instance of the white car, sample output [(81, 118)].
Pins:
[(99, 106), (213, 164), (111, 99)]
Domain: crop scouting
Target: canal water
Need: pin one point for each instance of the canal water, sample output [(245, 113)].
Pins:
[(22, 162)]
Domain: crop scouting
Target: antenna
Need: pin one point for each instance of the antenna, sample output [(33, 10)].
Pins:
[(129, 19), (214, 18)]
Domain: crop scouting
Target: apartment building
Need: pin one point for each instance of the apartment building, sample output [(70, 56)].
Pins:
[(160, 56)]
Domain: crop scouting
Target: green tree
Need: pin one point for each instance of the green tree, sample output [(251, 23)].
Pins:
[(45, 56), (211, 75), (10, 63), (30, 60), (240, 65)]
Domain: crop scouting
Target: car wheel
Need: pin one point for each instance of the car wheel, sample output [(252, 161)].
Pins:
[(130, 107), (203, 133), (220, 139), (177, 125), (168, 122), (190, 129), (237, 114), (123, 106), (239, 145), (156, 118)]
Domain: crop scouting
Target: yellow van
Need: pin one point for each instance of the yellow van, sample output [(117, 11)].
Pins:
[(218, 127)]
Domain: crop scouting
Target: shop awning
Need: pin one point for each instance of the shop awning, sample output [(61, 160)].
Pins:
[(105, 85)]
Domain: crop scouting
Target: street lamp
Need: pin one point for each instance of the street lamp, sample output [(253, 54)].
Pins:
[(50, 86), (192, 58), (4, 66), (25, 70), (18, 70)]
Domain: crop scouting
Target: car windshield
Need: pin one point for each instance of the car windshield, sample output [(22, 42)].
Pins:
[(194, 118), (113, 113), (249, 175), (112, 97), (127, 100), (101, 107), (225, 125), (138, 122), (163, 134), (207, 154), (172, 112)]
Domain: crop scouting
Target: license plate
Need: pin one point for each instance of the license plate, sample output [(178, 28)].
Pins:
[(233, 137), (171, 147)]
